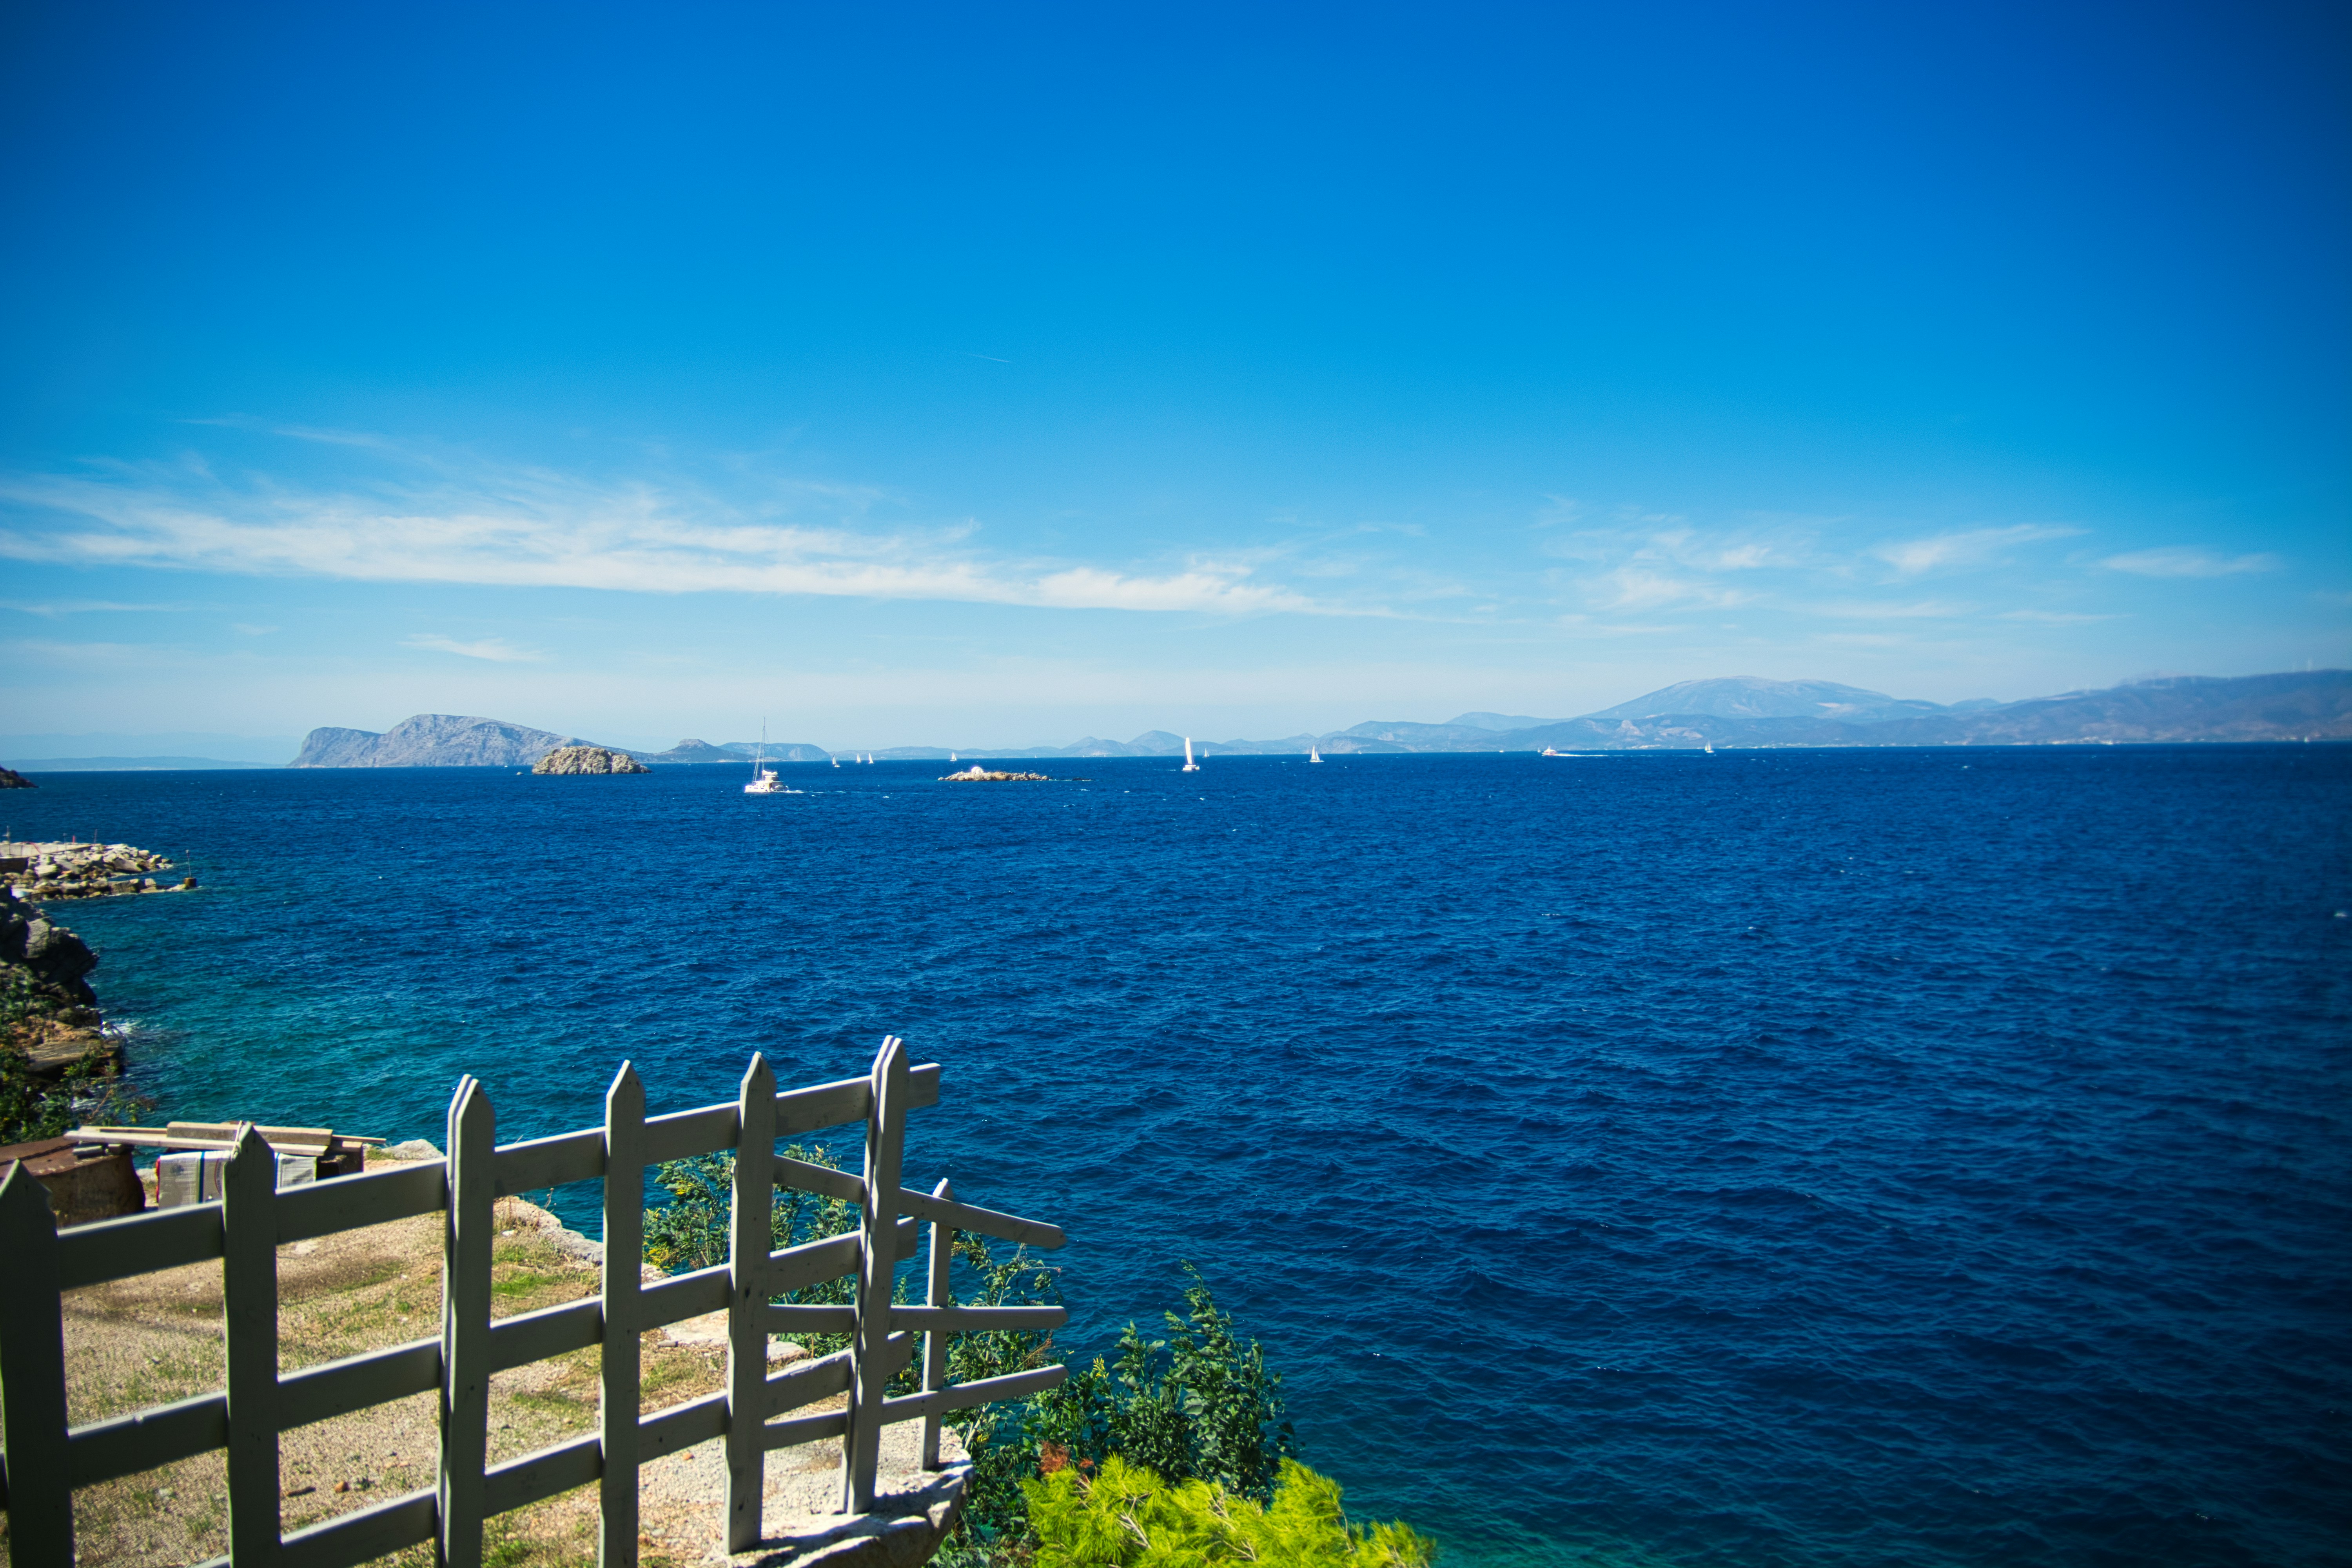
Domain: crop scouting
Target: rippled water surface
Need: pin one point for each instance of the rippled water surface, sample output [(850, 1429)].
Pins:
[(1822, 1158)]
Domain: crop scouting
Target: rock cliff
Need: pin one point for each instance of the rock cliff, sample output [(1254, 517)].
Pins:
[(588, 760)]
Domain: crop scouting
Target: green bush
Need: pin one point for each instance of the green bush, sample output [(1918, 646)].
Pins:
[(1124, 1516), (1198, 1405), (690, 1231), (33, 1106), (1196, 1416)]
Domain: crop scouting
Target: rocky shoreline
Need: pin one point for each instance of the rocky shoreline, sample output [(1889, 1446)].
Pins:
[(58, 1062), (50, 1026)]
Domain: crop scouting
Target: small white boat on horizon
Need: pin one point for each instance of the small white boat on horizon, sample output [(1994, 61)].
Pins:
[(1190, 765), (1312, 754)]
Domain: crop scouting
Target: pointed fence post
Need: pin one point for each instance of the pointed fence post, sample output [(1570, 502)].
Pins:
[(750, 1237), (935, 1343), (466, 1325), (33, 1374), (624, 1259), (249, 1316), (886, 1129)]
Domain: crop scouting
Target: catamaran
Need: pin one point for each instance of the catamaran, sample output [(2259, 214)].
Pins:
[(1190, 765)]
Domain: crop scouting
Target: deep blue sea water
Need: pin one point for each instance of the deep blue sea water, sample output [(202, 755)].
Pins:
[(1806, 1158)]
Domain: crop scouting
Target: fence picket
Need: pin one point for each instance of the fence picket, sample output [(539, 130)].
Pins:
[(886, 1129), (941, 1295), (751, 1234), (249, 1325), (33, 1369), (465, 1326), (624, 1252)]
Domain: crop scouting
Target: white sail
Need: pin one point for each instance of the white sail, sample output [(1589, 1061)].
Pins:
[(1314, 755), (1190, 765)]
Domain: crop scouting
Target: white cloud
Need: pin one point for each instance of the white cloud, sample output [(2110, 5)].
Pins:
[(1972, 547), (527, 528), (2056, 617), (2184, 561), (498, 650)]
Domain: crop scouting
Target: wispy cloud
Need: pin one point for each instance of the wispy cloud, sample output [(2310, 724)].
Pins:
[(2185, 561), (518, 527), (1969, 547), (2055, 617), (498, 650), (52, 609), (1633, 587)]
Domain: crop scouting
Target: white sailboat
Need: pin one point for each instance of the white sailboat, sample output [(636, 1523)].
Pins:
[(1312, 754), (1190, 765), (763, 779)]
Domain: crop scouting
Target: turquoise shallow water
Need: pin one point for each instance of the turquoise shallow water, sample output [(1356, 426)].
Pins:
[(1827, 1157)]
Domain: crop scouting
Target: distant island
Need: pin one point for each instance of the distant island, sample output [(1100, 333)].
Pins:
[(1735, 711)]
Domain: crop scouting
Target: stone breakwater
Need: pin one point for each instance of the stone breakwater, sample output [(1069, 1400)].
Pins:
[(77, 870), (588, 760)]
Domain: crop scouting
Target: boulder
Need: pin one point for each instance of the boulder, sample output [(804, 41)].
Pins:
[(57, 955)]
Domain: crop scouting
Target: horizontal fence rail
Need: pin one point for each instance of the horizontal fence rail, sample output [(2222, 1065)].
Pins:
[(42, 1459)]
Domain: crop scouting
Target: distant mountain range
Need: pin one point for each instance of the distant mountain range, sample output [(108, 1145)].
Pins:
[(1735, 711)]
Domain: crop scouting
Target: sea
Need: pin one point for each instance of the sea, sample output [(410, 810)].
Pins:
[(1779, 1157)]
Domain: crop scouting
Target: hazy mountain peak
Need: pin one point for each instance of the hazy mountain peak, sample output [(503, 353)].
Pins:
[(1750, 697), (1501, 723)]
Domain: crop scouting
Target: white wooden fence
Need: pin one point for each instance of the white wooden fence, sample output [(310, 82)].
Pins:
[(44, 1459)]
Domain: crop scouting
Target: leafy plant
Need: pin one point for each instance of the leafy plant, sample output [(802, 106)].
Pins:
[(1200, 1405), (34, 1106), (1124, 1516), (690, 1231), (1187, 1428)]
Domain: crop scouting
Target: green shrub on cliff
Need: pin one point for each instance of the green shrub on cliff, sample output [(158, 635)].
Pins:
[(1124, 1516), (690, 1231), (1196, 1414)]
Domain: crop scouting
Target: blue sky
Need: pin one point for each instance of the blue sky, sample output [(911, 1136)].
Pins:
[(962, 375)]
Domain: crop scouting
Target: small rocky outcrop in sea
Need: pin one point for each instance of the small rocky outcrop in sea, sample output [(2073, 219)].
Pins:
[(588, 760), (978, 775), (11, 779)]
